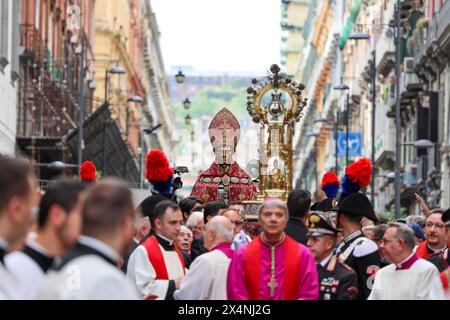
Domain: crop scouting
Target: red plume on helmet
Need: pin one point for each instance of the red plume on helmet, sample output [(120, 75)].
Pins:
[(360, 172), (330, 184), (157, 167), (330, 178), (88, 171)]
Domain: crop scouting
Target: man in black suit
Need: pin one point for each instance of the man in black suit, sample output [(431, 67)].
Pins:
[(299, 204)]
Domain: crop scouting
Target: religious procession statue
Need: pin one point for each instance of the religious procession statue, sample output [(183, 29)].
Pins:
[(225, 181), (276, 103)]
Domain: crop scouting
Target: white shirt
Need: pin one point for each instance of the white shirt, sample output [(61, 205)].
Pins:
[(8, 284), (27, 271), (141, 272), (89, 277), (207, 278), (420, 282)]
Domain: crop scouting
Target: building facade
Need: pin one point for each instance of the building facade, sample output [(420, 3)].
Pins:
[(293, 19), (333, 58), (9, 73), (51, 60)]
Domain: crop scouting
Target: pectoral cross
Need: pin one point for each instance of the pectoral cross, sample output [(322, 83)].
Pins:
[(272, 284)]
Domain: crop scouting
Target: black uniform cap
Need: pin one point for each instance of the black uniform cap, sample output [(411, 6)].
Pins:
[(148, 205), (357, 204), (319, 225), (323, 206)]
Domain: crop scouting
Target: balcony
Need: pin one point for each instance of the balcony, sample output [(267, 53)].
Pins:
[(384, 141), (385, 61), (436, 41)]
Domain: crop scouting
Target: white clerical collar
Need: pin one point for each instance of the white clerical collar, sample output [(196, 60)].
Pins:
[(324, 262), (437, 250), (4, 244), (99, 246), (164, 238), (399, 265), (33, 244), (136, 240)]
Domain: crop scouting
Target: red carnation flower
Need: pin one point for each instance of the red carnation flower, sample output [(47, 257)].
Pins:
[(88, 171)]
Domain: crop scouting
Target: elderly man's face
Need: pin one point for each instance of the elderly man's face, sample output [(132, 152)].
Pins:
[(184, 239), (435, 230), (199, 229), (391, 247), (273, 220), (235, 219)]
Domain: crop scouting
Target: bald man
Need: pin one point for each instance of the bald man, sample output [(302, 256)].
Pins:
[(207, 278)]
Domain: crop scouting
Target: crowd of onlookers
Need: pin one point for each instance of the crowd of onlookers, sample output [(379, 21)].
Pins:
[(97, 223)]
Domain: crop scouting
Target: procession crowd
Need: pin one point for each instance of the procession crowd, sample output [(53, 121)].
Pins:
[(86, 240)]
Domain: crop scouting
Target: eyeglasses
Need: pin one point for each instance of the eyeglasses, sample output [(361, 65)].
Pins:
[(436, 225), (383, 240)]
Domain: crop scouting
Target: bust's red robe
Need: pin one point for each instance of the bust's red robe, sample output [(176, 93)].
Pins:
[(208, 191)]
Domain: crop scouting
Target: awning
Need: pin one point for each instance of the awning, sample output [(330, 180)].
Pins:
[(105, 147), (349, 24)]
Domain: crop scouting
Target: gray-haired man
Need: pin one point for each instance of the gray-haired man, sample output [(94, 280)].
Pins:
[(207, 278), (407, 277)]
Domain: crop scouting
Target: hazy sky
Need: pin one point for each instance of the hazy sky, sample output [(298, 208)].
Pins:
[(219, 35)]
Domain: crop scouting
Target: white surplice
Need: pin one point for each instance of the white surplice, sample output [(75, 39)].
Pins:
[(141, 272), (89, 277), (207, 278), (8, 284), (419, 282), (27, 271)]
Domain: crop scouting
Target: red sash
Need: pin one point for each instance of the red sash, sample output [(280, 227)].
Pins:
[(252, 267), (157, 259)]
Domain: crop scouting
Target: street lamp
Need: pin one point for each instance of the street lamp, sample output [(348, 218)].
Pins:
[(133, 99), (343, 87), (398, 54), (113, 70), (61, 166), (359, 36), (188, 120), (187, 104), (363, 36), (419, 144), (180, 77), (146, 131)]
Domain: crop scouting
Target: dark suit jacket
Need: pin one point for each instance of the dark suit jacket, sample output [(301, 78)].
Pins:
[(297, 231), (197, 248)]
